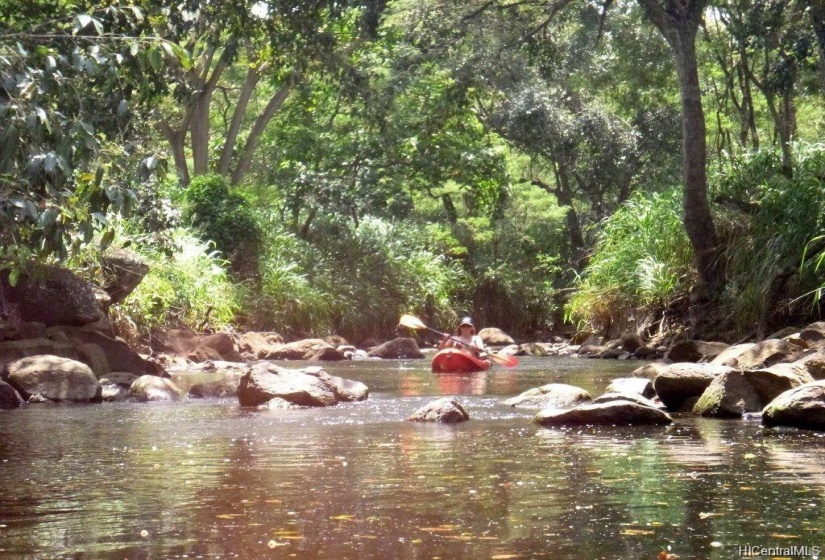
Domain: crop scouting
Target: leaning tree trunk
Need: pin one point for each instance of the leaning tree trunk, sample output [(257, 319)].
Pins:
[(678, 21)]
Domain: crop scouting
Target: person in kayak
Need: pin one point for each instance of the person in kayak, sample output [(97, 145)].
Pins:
[(466, 333)]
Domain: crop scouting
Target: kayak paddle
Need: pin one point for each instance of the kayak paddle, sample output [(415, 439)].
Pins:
[(415, 323)]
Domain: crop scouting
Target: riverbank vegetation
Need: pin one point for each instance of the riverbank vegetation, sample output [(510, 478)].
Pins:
[(322, 170)]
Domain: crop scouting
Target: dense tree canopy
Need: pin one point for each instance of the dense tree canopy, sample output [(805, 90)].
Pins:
[(505, 135)]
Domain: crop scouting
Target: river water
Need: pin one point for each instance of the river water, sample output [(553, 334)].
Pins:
[(207, 479)]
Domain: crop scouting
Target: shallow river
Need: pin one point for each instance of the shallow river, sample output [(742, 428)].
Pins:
[(207, 479)]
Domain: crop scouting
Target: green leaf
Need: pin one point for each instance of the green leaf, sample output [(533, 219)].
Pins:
[(48, 218), (107, 239), (14, 275), (31, 209), (80, 22)]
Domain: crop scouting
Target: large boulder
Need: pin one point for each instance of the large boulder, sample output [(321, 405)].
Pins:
[(729, 395), (13, 350), (150, 388), (638, 385), (552, 395), (730, 355), (765, 354), (732, 394), (694, 351), (631, 342), (197, 347), (446, 410), (298, 350), (54, 378), (117, 354), (9, 397), (59, 298), (617, 413), (219, 345), (802, 407), (398, 348), (814, 335), (770, 382), (814, 364), (679, 382), (258, 345), (308, 387), (492, 336), (122, 271)]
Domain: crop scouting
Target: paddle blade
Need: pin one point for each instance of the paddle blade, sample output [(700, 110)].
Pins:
[(506, 361), (411, 322)]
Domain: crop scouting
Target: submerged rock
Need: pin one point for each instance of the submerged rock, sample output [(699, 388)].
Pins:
[(802, 407), (617, 412), (552, 395), (444, 410)]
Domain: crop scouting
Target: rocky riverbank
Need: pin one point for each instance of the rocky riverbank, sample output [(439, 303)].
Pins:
[(56, 345)]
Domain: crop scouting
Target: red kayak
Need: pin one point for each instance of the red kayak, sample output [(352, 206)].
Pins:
[(457, 360)]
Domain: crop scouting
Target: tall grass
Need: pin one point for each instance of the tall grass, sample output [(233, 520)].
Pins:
[(783, 217), (189, 287), (355, 282), (641, 263)]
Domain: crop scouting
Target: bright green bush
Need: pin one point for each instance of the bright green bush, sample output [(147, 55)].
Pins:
[(641, 263), (225, 218), (288, 299), (190, 287)]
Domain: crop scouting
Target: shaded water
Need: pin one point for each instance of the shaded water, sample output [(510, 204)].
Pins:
[(207, 479)]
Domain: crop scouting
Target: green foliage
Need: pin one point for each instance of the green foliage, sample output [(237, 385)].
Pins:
[(187, 284), (190, 288), (290, 300), (68, 84), (774, 223), (224, 217), (641, 263), (352, 282)]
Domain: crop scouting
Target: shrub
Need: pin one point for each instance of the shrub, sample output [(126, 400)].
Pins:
[(190, 287), (224, 217), (641, 263), (772, 226)]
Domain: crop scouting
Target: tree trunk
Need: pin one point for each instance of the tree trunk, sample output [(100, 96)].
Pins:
[(564, 197), (679, 22), (818, 17), (275, 102), (229, 144), (177, 144)]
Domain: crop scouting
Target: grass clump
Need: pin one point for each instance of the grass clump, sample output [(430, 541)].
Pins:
[(641, 264)]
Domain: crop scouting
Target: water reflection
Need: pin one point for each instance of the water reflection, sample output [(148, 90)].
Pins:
[(211, 480)]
